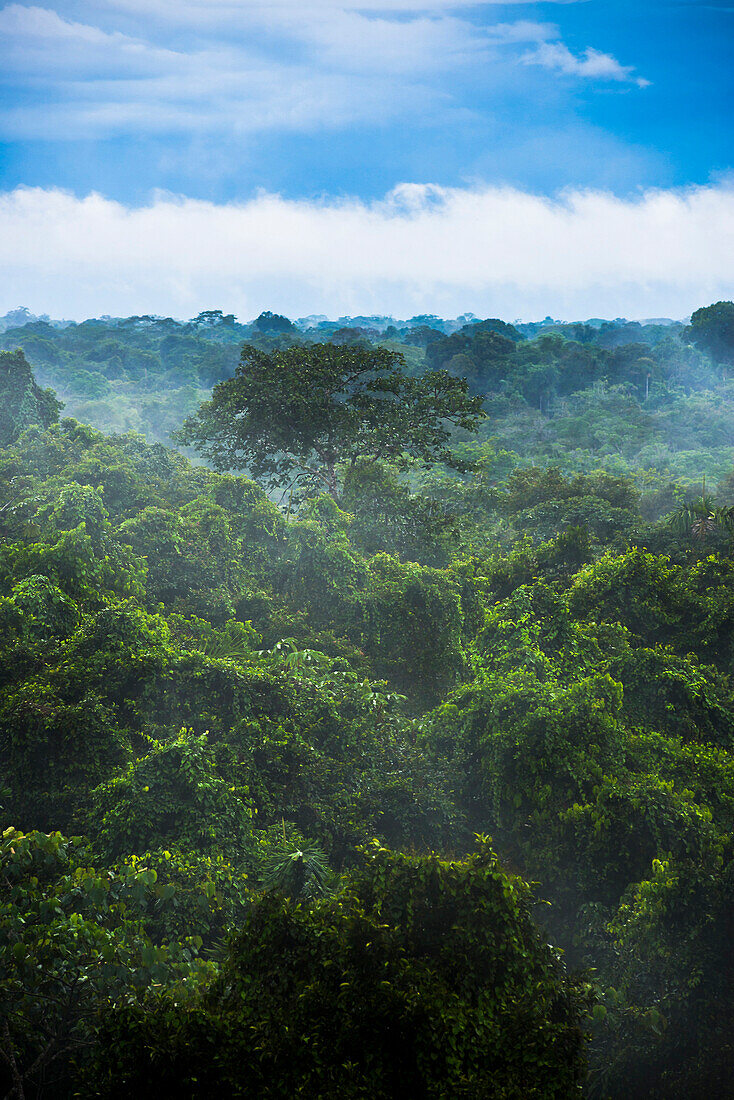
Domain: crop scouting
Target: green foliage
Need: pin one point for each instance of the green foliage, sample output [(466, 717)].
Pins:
[(73, 942), (139, 373), (412, 626), (388, 518), (22, 401), (172, 794), (700, 519), (494, 357), (639, 589), (191, 556), (672, 936), (545, 502), (712, 329), (420, 978), (293, 867), (229, 698), (676, 695), (291, 416)]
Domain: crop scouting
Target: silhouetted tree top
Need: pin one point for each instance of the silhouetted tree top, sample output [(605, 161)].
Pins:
[(273, 322), (712, 330)]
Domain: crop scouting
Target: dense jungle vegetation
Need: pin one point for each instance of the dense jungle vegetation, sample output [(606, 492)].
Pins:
[(390, 753)]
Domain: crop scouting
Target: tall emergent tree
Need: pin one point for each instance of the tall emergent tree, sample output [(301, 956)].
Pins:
[(294, 414)]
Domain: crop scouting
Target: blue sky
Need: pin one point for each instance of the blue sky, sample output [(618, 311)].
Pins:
[(332, 103)]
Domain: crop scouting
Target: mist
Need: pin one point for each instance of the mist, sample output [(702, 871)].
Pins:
[(495, 251)]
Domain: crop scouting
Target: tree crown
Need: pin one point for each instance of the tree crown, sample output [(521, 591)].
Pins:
[(293, 414)]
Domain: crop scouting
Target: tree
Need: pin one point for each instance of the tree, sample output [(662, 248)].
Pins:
[(700, 518), (481, 353), (294, 414), (389, 518), (712, 330), (175, 793), (273, 322), (420, 978), (294, 867), (73, 940), (211, 317), (22, 401)]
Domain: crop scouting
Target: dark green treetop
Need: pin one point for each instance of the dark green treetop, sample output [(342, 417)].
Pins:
[(273, 322), (22, 401), (294, 414), (712, 330), (422, 977)]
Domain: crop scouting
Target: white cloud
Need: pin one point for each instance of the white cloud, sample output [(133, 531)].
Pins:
[(222, 11), (260, 67), (523, 30), (42, 47), (97, 84), (494, 251), (207, 100), (428, 43), (351, 40), (592, 65), (19, 20)]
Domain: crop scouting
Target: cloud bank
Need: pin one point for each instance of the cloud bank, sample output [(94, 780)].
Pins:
[(494, 251)]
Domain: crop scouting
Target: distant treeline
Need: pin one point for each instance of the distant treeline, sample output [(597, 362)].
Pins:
[(643, 398)]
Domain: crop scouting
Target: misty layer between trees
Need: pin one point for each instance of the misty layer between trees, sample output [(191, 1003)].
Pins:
[(385, 749)]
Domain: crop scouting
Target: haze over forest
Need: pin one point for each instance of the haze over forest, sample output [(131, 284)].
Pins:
[(469, 578)]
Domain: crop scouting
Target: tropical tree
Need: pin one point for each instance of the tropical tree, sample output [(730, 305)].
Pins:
[(293, 415), (712, 330), (293, 866), (72, 941), (700, 518), (421, 978), (22, 401)]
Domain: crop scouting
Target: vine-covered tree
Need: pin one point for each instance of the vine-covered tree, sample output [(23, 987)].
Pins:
[(22, 401), (420, 978), (294, 414)]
